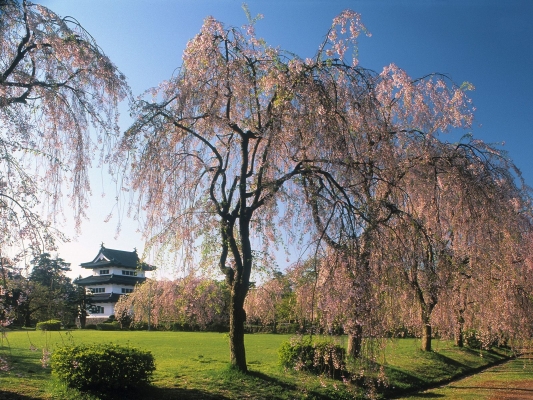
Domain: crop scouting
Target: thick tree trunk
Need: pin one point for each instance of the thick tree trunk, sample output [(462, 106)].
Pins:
[(236, 333), (425, 310), (426, 337), (426, 328), (459, 329), (238, 279), (459, 336), (355, 341)]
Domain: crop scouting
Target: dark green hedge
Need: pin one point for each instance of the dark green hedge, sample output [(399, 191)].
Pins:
[(50, 325), (108, 326), (103, 367)]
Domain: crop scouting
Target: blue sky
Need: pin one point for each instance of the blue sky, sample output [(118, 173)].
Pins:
[(488, 43)]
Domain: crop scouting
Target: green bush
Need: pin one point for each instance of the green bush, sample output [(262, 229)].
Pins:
[(50, 325), (108, 326), (485, 340), (472, 339), (102, 367), (90, 326), (401, 332), (297, 353), (323, 357)]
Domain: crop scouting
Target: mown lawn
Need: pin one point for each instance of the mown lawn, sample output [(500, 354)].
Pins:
[(512, 380), (192, 365)]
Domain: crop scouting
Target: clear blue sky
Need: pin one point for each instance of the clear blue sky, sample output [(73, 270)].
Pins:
[(488, 43)]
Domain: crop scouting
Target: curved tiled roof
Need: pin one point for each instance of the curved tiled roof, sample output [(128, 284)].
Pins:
[(101, 279), (118, 258), (105, 297)]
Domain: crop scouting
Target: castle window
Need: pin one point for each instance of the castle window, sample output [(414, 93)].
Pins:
[(124, 290), (131, 273), (98, 290), (97, 310), (104, 272)]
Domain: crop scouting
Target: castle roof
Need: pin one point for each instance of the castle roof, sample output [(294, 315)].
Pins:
[(105, 297), (117, 258), (103, 279)]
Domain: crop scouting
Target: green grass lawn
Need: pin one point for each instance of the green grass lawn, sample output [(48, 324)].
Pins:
[(193, 365), (512, 380)]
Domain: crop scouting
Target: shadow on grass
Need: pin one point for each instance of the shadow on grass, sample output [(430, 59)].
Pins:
[(250, 385), (26, 367), (13, 396), (408, 381), (455, 369), (506, 389), (152, 392)]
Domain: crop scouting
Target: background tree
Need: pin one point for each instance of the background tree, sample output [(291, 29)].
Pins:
[(56, 85), (203, 303), (303, 279), (50, 293), (11, 292), (452, 197), (193, 303), (382, 131), (80, 299), (270, 303)]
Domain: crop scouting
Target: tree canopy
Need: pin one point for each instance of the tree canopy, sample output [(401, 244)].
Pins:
[(247, 139), (56, 88)]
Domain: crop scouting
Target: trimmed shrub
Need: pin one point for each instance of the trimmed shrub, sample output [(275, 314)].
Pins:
[(108, 326), (90, 326), (323, 357), (103, 367), (50, 325)]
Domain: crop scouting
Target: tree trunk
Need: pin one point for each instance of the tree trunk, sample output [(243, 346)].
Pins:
[(237, 317), (458, 333), (355, 341), (426, 328), (83, 319), (426, 337), (238, 279), (459, 336), (425, 313), (27, 319)]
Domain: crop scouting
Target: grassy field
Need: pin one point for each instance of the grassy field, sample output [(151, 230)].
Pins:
[(195, 366), (512, 380)]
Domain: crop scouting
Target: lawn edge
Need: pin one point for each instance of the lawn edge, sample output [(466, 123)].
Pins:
[(409, 392)]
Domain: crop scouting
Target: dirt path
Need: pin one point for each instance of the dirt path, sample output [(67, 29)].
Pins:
[(512, 380)]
